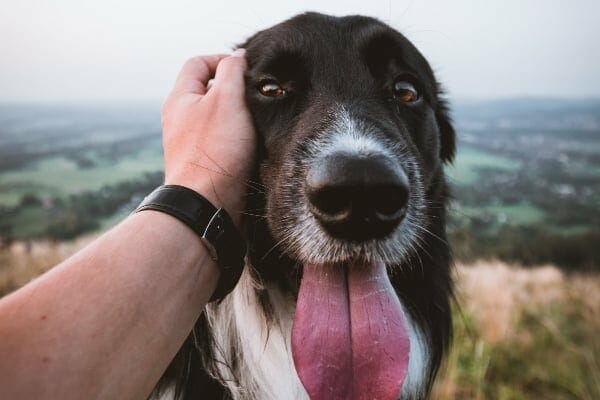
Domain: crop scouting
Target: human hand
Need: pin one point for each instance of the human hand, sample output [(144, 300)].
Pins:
[(208, 136)]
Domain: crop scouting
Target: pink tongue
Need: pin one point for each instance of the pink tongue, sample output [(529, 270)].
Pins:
[(350, 338)]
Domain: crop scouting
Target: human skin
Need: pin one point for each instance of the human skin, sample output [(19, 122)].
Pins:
[(105, 323)]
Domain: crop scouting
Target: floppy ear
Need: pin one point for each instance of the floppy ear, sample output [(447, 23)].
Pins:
[(447, 134)]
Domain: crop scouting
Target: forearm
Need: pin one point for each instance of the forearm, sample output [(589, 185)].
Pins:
[(148, 278)]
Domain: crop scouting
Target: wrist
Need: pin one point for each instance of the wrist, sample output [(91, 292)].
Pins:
[(213, 225), (221, 192)]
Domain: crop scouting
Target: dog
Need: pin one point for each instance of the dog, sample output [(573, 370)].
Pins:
[(346, 292)]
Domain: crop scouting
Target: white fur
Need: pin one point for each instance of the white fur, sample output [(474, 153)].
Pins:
[(348, 135), (265, 366), (418, 361)]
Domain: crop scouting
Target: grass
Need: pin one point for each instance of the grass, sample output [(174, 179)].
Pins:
[(11, 194), (521, 213), (519, 334), (30, 221), (523, 334), (23, 261), (470, 159), (58, 176), (569, 230)]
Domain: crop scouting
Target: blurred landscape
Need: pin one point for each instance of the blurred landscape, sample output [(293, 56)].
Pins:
[(527, 182), (524, 226), (526, 179)]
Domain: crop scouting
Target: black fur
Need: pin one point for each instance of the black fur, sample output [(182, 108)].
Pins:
[(325, 61)]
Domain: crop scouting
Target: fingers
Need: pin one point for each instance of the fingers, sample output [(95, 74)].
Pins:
[(229, 76), (196, 73)]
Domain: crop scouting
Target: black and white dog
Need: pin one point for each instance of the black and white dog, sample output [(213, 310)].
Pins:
[(346, 293)]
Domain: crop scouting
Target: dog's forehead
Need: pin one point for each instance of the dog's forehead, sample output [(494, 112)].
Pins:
[(323, 38)]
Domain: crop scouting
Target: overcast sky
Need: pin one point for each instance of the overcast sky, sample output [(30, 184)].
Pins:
[(70, 50)]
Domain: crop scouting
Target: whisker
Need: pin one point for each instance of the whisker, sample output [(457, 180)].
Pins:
[(253, 215), (285, 237), (249, 183), (428, 232)]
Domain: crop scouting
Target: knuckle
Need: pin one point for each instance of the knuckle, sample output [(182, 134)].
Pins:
[(225, 91), (231, 63), (194, 64), (192, 61)]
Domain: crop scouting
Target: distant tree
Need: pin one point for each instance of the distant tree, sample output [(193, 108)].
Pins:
[(30, 199)]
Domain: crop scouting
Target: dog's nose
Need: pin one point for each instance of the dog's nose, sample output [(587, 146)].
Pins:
[(357, 197)]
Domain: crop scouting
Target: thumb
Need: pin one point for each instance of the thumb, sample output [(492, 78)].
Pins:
[(229, 76)]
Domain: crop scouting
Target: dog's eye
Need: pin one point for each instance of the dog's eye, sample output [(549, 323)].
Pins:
[(405, 91), (271, 89)]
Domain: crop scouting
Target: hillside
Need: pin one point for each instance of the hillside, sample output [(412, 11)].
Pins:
[(519, 333)]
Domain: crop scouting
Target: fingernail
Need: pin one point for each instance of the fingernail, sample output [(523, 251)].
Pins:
[(239, 53)]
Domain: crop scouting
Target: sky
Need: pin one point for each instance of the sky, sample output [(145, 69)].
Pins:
[(111, 50)]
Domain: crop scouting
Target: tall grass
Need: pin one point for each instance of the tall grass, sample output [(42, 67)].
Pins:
[(523, 334), (519, 333), (23, 261)]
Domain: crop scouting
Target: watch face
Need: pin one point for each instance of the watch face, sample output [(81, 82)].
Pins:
[(227, 247), (215, 230)]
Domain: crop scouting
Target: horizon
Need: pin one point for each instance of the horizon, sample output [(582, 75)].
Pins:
[(156, 101)]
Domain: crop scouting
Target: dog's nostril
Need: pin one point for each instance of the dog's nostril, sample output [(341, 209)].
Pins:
[(389, 202), (330, 202), (357, 197)]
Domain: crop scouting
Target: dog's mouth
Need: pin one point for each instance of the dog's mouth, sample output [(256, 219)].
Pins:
[(350, 337), (347, 212)]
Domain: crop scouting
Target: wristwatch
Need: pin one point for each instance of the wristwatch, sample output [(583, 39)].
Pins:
[(214, 226)]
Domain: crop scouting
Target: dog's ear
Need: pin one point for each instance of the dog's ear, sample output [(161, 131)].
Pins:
[(447, 134), (242, 45), (246, 43)]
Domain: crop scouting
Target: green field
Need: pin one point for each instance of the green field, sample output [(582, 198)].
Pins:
[(469, 160), (60, 177), (522, 213), (29, 222)]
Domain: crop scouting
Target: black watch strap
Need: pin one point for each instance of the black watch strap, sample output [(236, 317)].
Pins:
[(214, 226)]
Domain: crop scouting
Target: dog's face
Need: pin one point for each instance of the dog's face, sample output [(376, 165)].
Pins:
[(353, 135), (350, 191)]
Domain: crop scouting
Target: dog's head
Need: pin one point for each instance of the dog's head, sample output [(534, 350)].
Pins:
[(347, 219), (353, 137), (353, 133)]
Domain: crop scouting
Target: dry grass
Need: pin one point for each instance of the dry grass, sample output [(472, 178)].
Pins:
[(523, 334), (495, 294), (23, 261), (520, 333)]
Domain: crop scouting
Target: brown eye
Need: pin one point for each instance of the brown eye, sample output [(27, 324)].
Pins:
[(271, 89), (405, 91)]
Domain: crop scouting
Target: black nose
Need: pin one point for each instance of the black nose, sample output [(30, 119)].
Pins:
[(357, 197)]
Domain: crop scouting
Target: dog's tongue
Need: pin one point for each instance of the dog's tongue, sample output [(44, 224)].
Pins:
[(350, 338)]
